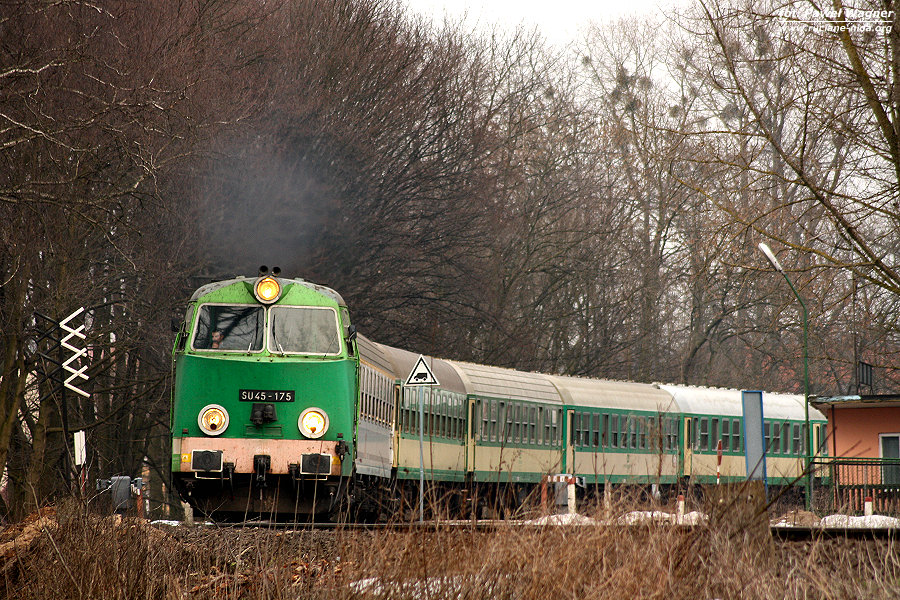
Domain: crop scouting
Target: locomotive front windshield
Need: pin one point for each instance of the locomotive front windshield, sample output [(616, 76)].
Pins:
[(304, 330), (292, 330), (230, 328)]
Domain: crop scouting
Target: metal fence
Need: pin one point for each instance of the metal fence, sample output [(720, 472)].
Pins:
[(841, 485)]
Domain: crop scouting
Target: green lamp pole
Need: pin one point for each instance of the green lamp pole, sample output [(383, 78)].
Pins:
[(768, 252)]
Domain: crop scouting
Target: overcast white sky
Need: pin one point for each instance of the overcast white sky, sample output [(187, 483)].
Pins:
[(559, 20)]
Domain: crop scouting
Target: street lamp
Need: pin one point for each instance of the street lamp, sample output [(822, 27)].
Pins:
[(768, 252)]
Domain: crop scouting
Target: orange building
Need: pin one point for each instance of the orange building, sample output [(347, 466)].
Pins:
[(862, 426), (864, 448)]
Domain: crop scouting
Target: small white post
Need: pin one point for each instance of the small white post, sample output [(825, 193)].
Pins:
[(188, 513), (571, 496), (867, 506), (679, 510)]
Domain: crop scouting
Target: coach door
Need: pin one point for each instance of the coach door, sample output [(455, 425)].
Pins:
[(396, 424), (470, 435), (568, 443), (687, 448)]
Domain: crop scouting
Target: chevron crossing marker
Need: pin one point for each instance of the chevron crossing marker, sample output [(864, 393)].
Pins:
[(77, 353)]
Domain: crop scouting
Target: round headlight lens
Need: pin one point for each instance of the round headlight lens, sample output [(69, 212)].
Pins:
[(213, 419), (313, 423), (267, 289)]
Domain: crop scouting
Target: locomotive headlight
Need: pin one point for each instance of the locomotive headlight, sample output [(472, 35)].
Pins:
[(313, 423), (267, 290), (213, 419)]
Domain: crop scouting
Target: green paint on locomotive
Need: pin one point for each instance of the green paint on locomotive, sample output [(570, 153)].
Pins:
[(204, 377), (201, 380)]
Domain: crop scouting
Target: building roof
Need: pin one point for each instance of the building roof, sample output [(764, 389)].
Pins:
[(857, 401)]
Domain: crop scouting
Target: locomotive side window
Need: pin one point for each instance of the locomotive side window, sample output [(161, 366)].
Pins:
[(304, 330), (229, 328)]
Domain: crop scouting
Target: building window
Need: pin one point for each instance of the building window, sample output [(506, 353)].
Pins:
[(890, 449)]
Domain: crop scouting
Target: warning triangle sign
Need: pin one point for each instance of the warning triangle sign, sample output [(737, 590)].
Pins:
[(421, 374)]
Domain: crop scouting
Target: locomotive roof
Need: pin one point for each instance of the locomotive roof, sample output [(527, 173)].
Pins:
[(217, 285)]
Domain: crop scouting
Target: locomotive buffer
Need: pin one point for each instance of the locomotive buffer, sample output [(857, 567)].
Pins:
[(420, 376)]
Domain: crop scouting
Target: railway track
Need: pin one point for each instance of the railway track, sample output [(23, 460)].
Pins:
[(780, 532)]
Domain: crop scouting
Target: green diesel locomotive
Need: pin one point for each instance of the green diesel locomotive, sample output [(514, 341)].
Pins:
[(281, 410)]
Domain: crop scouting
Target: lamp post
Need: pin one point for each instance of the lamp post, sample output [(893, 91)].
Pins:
[(769, 255)]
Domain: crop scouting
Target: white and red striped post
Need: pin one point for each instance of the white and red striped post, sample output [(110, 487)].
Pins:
[(867, 506), (544, 495), (718, 459), (571, 495)]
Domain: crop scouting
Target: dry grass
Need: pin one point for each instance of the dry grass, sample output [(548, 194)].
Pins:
[(86, 556)]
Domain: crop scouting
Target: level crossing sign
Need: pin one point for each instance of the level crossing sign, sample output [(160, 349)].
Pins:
[(421, 374)]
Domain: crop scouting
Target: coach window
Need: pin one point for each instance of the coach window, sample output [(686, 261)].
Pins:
[(595, 429), (532, 424), (414, 414), (767, 436), (586, 429), (714, 434), (582, 420), (484, 409), (229, 328), (726, 435), (704, 433), (821, 440), (554, 426), (604, 431), (785, 437), (517, 423), (446, 414), (614, 431), (575, 434), (736, 436), (496, 418)]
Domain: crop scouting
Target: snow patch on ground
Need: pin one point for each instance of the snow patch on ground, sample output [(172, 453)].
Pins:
[(866, 522), (563, 519)]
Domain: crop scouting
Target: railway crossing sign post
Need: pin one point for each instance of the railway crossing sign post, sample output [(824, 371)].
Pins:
[(63, 337), (420, 376)]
